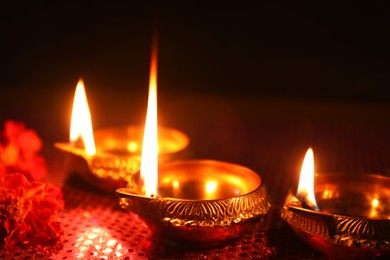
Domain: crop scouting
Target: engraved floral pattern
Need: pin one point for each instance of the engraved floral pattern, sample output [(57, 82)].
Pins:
[(214, 212), (363, 228), (340, 230)]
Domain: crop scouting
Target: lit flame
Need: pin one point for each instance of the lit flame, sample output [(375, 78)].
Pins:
[(149, 159), (306, 181), (81, 123)]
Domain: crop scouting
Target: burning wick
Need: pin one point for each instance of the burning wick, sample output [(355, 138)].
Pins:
[(305, 192), (81, 123), (149, 158)]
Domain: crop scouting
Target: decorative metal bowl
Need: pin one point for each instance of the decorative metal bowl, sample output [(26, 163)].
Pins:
[(200, 203), (354, 216), (118, 154)]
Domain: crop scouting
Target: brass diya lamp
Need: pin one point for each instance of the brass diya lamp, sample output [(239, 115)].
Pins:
[(196, 203), (200, 203), (112, 155), (348, 215)]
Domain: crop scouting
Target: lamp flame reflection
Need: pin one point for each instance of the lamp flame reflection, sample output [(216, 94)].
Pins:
[(375, 208), (81, 123), (305, 190), (99, 243), (149, 158)]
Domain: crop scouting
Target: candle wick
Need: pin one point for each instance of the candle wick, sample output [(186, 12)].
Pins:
[(306, 203)]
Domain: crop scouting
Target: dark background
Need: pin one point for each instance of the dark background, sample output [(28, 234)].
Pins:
[(236, 47), (245, 62)]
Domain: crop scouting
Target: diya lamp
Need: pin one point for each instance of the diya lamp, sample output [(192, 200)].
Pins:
[(195, 203), (348, 215), (112, 154)]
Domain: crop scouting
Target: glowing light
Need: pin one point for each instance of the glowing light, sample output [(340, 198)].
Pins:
[(111, 242), (80, 255), (107, 251), (306, 180), (132, 146), (327, 194), (211, 186), (92, 235), (81, 123), (88, 242), (149, 159), (374, 209), (175, 184), (100, 243)]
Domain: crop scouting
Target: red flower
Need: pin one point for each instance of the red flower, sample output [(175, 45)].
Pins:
[(18, 151), (28, 211)]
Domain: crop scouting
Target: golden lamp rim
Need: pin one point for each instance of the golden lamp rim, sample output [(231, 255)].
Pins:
[(131, 193), (124, 192), (319, 213), (185, 140), (370, 175), (70, 147)]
